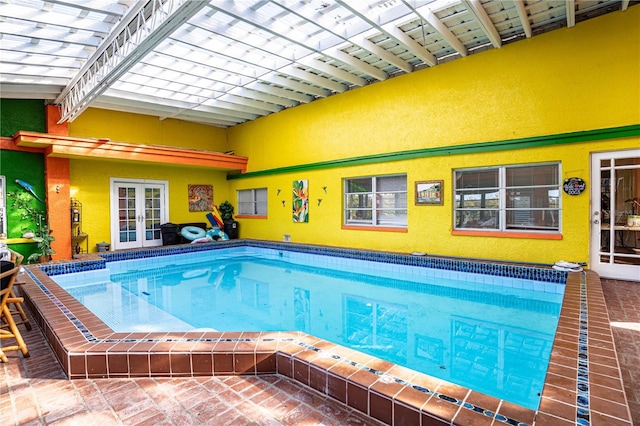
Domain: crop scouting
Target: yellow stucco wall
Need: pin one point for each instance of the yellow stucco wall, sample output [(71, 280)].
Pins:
[(559, 82), (90, 184), (429, 227), (554, 83), (144, 129), (90, 178), (581, 78)]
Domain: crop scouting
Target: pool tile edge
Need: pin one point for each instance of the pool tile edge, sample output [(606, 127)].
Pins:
[(285, 352)]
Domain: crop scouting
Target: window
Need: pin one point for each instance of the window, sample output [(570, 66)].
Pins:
[(376, 201), (252, 202), (518, 198)]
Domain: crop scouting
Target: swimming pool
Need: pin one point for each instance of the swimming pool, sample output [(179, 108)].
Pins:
[(485, 332), (583, 367)]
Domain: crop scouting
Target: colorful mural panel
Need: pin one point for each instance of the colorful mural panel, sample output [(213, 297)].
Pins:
[(300, 205)]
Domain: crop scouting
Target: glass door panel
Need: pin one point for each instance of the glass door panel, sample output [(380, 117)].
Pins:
[(615, 226), (153, 213), (127, 224), (141, 208)]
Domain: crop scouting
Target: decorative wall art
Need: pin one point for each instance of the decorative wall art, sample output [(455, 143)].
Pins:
[(574, 186), (300, 205), (200, 198), (429, 192)]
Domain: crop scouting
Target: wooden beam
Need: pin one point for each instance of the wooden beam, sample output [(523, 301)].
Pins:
[(8, 144), (68, 147)]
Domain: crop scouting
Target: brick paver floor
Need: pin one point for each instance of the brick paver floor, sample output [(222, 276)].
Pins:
[(35, 391), (623, 304)]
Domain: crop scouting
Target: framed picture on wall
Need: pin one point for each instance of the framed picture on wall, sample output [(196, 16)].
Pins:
[(429, 192), (200, 198)]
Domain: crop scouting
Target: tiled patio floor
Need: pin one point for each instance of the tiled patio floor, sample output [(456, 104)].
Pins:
[(35, 391)]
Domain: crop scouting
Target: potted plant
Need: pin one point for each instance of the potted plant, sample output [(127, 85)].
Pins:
[(43, 238), (230, 225), (633, 219), (42, 234)]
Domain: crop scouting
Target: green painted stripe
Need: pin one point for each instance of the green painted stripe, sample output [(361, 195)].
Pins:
[(472, 148)]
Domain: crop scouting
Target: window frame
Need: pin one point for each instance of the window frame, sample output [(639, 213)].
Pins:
[(255, 203), (375, 209), (504, 209)]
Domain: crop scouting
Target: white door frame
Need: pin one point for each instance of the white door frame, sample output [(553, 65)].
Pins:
[(605, 232), (142, 184)]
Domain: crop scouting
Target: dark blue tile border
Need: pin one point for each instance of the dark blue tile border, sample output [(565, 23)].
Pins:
[(582, 395), (529, 272)]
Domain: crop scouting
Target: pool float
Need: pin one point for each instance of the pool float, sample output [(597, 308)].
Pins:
[(563, 265), (217, 234), (215, 218), (192, 233), (202, 240)]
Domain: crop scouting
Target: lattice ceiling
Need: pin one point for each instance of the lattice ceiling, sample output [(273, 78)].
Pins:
[(222, 62)]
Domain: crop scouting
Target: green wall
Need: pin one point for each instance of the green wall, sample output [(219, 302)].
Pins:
[(21, 114), (15, 115)]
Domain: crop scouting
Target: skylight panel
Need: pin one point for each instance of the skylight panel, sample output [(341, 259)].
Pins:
[(164, 61), (45, 47), (17, 28), (35, 70), (208, 74), (473, 38), (59, 9), (214, 43), (220, 62), (178, 88), (161, 93), (59, 17), (35, 80), (267, 10), (169, 76), (70, 64), (243, 34), (152, 95), (106, 7), (135, 78)]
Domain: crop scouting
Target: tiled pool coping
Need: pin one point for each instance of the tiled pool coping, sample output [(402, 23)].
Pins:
[(583, 383)]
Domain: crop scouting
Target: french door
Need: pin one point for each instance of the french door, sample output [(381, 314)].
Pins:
[(615, 214), (138, 208)]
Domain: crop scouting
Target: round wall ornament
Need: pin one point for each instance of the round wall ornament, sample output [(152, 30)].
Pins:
[(574, 186)]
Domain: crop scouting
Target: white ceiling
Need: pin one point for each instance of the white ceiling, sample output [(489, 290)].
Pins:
[(223, 62)]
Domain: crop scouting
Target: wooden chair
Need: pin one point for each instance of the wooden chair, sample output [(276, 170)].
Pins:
[(14, 302), (7, 279)]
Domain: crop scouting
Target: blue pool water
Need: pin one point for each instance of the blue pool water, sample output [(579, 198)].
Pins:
[(491, 334)]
